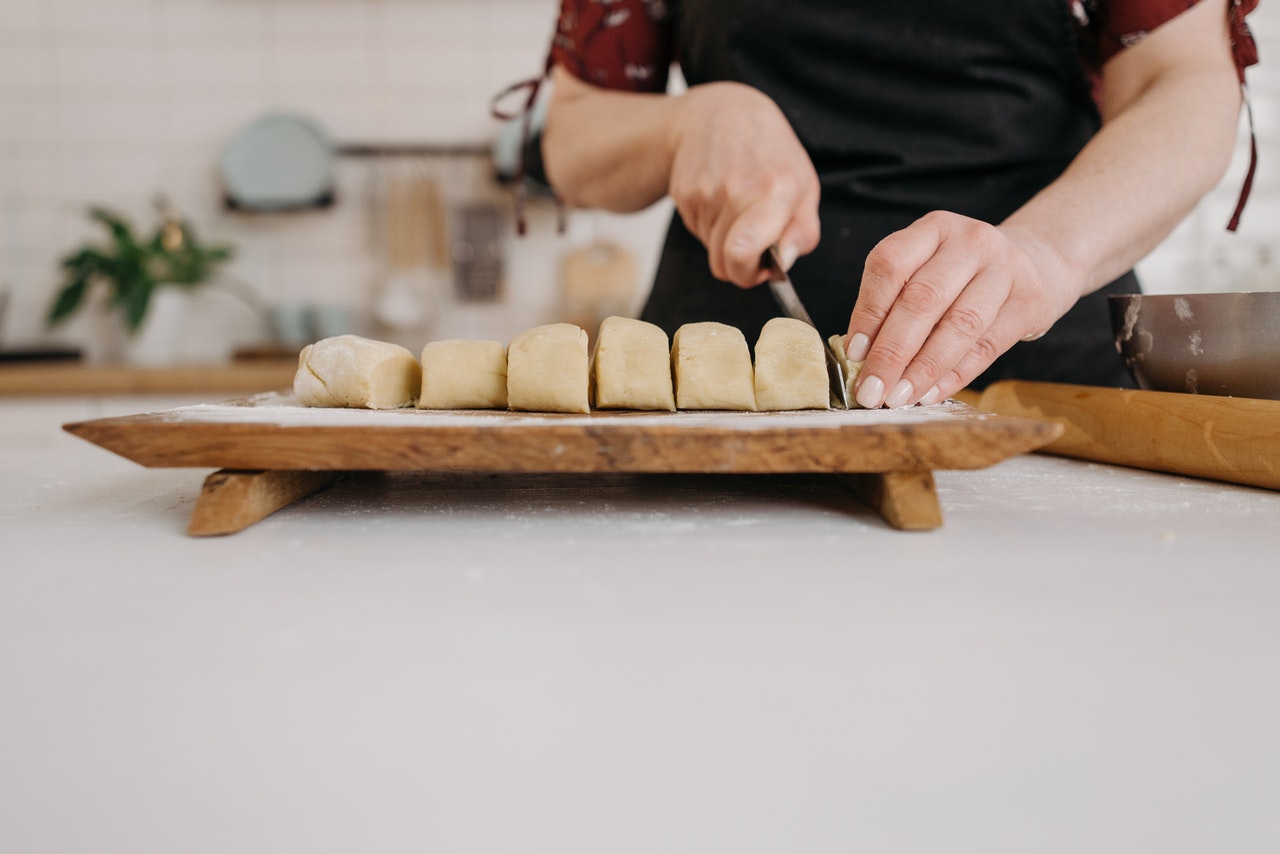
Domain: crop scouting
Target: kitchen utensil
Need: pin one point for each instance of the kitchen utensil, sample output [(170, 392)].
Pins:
[(1218, 344), (291, 325), (329, 320), (280, 162), (1221, 438), (785, 294), (412, 233), (478, 263), (888, 455)]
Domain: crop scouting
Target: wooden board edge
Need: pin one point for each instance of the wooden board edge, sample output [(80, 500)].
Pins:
[(945, 446), (907, 501), (231, 501)]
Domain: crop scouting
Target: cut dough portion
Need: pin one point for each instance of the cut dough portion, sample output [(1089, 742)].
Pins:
[(460, 374), (851, 368), (547, 370), (631, 367), (712, 367), (350, 371), (791, 367)]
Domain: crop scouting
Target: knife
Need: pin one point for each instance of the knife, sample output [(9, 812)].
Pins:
[(785, 293)]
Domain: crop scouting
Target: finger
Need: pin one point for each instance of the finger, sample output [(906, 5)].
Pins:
[(999, 337), (697, 222), (954, 336), (699, 203), (720, 216), (720, 212), (748, 236), (802, 234), (785, 198), (884, 274), (922, 302)]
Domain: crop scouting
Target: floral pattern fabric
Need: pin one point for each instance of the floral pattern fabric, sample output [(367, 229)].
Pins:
[(629, 44)]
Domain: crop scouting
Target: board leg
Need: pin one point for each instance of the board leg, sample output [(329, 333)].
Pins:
[(233, 500), (907, 500)]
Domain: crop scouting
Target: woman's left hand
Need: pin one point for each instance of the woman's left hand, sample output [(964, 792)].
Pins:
[(945, 296), (942, 298)]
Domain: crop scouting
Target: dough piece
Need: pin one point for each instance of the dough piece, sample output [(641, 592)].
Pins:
[(851, 368), (460, 374), (791, 367), (356, 372), (712, 367), (547, 370), (631, 367)]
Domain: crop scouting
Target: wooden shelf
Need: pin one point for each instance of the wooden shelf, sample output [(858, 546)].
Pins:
[(68, 379)]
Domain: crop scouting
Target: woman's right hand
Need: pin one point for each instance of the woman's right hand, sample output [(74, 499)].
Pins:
[(723, 152), (741, 180)]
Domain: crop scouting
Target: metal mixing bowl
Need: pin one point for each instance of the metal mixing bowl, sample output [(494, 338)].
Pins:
[(1224, 344)]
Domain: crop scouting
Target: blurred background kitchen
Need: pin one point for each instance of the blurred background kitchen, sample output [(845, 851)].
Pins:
[(385, 218)]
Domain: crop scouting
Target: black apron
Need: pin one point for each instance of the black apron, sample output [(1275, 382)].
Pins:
[(904, 107)]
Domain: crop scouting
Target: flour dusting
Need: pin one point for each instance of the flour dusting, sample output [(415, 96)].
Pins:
[(1182, 309), (283, 410)]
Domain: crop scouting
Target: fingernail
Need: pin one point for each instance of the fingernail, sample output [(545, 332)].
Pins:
[(900, 395), (859, 347), (930, 396), (788, 256), (871, 392)]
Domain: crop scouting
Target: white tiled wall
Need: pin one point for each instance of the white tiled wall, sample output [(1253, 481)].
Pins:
[(1201, 255), (113, 101)]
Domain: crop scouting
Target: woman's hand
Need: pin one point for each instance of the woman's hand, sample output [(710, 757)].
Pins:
[(741, 180), (942, 298)]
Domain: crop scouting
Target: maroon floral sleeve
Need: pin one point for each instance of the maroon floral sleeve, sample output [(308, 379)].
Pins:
[(615, 44), (1109, 26), (628, 44)]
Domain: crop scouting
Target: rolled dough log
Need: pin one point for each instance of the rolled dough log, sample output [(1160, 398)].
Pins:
[(459, 374), (547, 370), (712, 367), (851, 368), (631, 367), (349, 371), (791, 367)]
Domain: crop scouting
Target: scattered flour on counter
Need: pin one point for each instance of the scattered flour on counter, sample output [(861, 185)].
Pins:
[(283, 410)]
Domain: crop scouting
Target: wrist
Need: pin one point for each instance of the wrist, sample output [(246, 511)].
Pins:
[(694, 109), (1061, 274)]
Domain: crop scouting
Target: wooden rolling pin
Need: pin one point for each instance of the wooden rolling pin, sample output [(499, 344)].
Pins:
[(1233, 439)]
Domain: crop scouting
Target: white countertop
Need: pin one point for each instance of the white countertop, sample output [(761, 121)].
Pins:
[(1082, 659)]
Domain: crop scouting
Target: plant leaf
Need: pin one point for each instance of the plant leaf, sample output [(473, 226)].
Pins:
[(117, 225), (68, 300), (85, 259), (136, 298)]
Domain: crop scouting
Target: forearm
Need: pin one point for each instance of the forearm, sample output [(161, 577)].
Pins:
[(607, 149), (723, 152), (1137, 178)]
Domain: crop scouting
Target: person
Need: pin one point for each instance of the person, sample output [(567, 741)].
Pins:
[(955, 186)]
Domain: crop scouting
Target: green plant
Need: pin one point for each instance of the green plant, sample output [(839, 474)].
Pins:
[(132, 268)]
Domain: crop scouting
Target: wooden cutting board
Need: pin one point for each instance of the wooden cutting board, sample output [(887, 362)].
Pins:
[(274, 432), (898, 448)]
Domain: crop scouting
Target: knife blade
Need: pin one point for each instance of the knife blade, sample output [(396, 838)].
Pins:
[(785, 294)]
